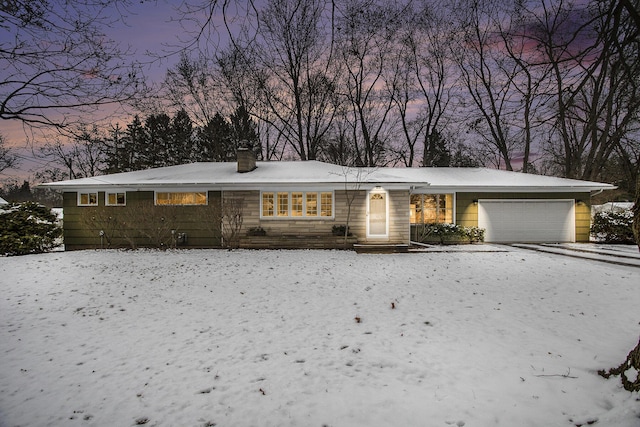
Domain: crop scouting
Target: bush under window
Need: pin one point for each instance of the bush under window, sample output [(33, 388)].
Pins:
[(449, 233)]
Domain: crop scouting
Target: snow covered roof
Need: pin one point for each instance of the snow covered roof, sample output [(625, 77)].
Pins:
[(3, 201), (224, 176)]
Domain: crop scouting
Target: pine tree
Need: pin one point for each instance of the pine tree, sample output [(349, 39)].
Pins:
[(215, 141), (181, 147), (157, 147), (245, 131)]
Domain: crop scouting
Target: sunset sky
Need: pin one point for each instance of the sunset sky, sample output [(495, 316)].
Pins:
[(146, 27)]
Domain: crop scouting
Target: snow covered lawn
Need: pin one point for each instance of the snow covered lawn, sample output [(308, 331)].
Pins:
[(314, 338)]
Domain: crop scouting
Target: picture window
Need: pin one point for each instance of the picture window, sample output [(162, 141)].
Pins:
[(297, 204)]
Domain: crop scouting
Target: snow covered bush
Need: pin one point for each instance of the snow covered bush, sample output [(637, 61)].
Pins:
[(451, 233), (27, 228), (613, 227)]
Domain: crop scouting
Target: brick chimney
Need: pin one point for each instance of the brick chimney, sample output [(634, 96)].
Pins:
[(246, 160)]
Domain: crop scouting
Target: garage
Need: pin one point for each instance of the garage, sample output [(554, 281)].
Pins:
[(519, 220)]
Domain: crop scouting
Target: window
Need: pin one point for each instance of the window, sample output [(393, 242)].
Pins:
[(431, 208), (267, 204), (297, 204), (87, 199), (312, 204), (283, 204), (326, 204), (181, 198), (115, 199)]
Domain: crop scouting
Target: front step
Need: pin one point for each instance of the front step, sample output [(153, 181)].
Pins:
[(380, 248)]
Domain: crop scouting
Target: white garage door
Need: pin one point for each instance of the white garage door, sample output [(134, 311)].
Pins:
[(527, 220)]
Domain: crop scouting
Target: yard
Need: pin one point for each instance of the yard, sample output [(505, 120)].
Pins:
[(313, 338)]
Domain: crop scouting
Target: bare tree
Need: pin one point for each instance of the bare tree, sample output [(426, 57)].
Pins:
[(82, 156), (232, 218), (7, 159), (427, 83), (593, 53), (58, 66), (489, 78), (193, 85), (366, 35), (297, 80)]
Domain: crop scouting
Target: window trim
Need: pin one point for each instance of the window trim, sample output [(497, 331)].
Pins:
[(275, 214), (106, 198), (79, 197), (206, 195)]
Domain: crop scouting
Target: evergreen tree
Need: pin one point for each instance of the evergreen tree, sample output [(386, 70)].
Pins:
[(436, 151), (27, 228), (215, 141), (128, 157), (157, 148), (245, 131), (181, 147)]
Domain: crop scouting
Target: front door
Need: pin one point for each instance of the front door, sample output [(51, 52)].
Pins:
[(378, 221)]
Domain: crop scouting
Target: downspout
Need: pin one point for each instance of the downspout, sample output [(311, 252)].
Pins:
[(221, 218)]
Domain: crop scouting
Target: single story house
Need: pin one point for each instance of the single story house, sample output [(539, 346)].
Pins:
[(298, 203)]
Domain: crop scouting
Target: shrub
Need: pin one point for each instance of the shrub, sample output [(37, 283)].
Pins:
[(613, 227), (27, 228), (443, 233), (339, 230), (256, 231)]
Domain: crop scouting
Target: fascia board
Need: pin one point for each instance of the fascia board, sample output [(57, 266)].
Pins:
[(510, 189)]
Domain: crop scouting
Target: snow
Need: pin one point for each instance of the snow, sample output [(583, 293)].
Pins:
[(224, 174), (611, 207), (509, 337)]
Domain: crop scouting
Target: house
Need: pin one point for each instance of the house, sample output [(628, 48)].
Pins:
[(298, 203)]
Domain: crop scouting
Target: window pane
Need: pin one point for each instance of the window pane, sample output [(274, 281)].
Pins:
[(283, 204), (201, 198), (267, 204), (181, 198), (296, 204), (448, 212), (312, 204), (116, 199), (430, 204), (88, 199), (326, 204)]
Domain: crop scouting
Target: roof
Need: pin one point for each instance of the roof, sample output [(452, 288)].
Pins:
[(224, 176), (3, 201)]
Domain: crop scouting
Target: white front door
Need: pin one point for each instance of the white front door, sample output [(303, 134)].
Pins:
[(377, 224)]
